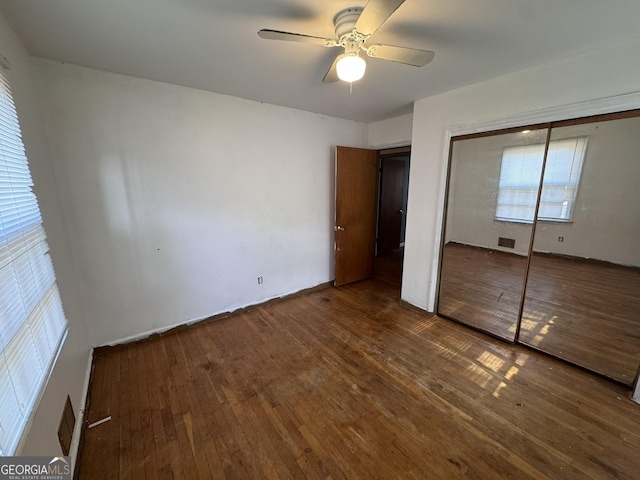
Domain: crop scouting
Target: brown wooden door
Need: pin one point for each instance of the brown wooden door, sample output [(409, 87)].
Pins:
[(356, 189), (391, 204)]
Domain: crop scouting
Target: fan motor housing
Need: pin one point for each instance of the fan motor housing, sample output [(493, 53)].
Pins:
[(345, 22)]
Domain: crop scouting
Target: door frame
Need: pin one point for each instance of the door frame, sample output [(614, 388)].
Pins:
[(382, 153), (391, 150)]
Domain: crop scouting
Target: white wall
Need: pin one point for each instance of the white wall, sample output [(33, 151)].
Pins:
[(605, 223), (178, 199), (596, 75), (68, 375), (606, 219), (392, 132)]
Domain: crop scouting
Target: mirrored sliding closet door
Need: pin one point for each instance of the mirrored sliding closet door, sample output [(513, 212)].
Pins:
[(541, 241), (493, 181), (582, 301)]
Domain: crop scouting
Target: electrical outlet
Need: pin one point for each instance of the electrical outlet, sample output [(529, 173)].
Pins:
[(561, 239), (260, 280)]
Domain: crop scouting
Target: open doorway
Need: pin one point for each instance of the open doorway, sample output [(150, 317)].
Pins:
[(393, 191), (370, 214)]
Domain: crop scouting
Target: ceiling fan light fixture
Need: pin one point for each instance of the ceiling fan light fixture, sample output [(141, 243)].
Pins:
[(351, 67)]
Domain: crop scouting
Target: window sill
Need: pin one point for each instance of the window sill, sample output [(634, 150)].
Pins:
[(540, 220)]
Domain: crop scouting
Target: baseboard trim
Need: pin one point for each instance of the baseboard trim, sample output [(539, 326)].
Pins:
[(542, 253), (101, 350), (587, 260), (489, 249)]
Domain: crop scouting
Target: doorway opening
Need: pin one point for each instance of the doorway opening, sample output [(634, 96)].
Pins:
[(370, 214), (393, 192)]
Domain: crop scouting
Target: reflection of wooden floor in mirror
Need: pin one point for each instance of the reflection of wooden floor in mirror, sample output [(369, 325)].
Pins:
[(583, 311), (587, 312), (482, 288)]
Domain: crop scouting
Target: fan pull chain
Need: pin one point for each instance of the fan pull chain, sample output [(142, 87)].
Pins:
[(350, 88)]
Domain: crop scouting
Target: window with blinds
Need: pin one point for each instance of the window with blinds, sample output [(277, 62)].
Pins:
[(520, 176), (32, 322)]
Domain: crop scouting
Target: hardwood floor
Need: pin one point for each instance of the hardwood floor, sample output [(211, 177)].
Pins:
[(389, 268), (345, 383), (585, 312)]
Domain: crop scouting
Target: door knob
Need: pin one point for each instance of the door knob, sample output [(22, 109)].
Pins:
[(338, 228), (400, 211)]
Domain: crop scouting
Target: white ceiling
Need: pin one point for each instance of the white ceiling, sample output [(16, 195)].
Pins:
[(213, 44)]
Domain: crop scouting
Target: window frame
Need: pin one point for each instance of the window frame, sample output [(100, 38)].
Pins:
[(35, 327)]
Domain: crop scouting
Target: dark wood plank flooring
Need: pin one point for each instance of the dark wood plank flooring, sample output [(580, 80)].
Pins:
[(345, 383), (389, 268)]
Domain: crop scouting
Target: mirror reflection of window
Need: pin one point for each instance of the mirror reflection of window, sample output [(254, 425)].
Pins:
[(520, 176)]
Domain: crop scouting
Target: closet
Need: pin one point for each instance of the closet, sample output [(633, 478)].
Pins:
[(541, 239)]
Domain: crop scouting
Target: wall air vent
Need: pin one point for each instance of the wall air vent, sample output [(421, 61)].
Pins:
[(506, 242)]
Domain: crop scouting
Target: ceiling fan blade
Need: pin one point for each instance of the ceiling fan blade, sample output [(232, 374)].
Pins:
[(296, 37), (375, 13), (408, 56), (332, 74)]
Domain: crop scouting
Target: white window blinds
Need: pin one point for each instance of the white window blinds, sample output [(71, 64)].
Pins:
[(32, 323), (520, 175)]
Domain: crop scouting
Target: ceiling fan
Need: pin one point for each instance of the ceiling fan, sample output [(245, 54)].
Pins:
[(354, 26)]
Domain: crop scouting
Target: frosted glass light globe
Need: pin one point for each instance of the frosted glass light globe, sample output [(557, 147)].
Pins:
[(351, 67)]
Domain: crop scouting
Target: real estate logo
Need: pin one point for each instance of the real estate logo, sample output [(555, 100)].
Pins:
[(35, 468)]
